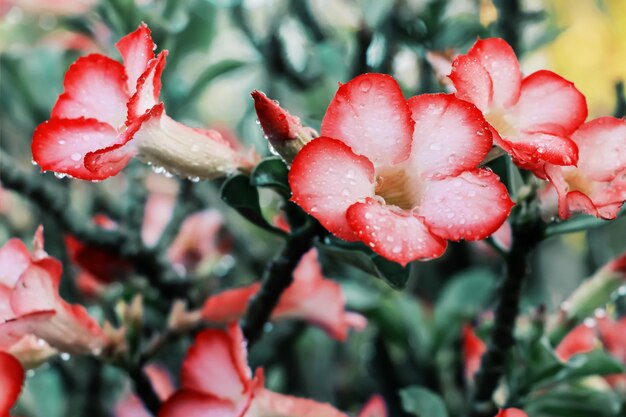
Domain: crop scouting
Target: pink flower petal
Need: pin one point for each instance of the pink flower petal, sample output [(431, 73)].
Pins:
[(148, 88), (395, 234), (316, 299), (511, 412), (450, 136), (60, 145), (370, 115), (216, 365), (375, 407), (14, 330), (602, 148), (499, 61), (538, 147), (549, 104), (470, 206), (229, 305), (130, 406), (189, 403), (581, 339), (14, 259), (11, 380), (271, 404), (472, 81), (137, 50), (94, 87), (71, 329), (197, 240), (326, 178), (473, 350)]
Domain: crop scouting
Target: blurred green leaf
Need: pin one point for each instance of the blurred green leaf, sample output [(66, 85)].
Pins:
[(272, 172), (574, 402), (422, 402), (211, 73), (362, 258), (464, 297), (238, 193)]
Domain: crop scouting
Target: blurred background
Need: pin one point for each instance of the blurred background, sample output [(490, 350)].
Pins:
[(296, 52)]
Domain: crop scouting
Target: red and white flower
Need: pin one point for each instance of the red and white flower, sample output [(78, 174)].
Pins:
[(532, 118), (311, 297), (11, 380), (216, 381), (597, 186), (401, 176), (285, 133), (110, 112), (30, 304)]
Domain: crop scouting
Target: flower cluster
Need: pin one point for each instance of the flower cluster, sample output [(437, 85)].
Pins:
[(405, 176)]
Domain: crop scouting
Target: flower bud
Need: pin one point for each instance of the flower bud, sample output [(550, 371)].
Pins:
[(284, 131)]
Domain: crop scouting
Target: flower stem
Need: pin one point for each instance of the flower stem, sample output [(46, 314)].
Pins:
[(278, 275), (525, 237)]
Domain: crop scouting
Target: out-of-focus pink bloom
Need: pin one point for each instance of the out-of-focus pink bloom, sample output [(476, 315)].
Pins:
[(581, 339), (199, 239), (511, 412), (612, 333), (473, 351), (30, 303), (216, 381), (311, 297), (285, 132), (11, 380), (68, 40), (131, 405), (597, 186), (441, 63), (532, 118), (400, 175), (110, 113), (55, 7), (159, 207), (375, 407), (103, 265)]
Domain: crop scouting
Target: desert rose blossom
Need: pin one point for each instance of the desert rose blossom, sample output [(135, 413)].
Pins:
[(533, 117), (597, 186), (311, 297), (11, 380), (581, 339), (216, 381), (30, 303), (109, 113), (401, 176), (285, 133)]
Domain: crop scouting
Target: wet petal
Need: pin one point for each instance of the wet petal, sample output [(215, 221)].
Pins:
[(472, 82), (370, 115), (602, 148), (148, 89), (60, 145), (94, 87), (470, 206), (137, 50), (549, 104), (450, 136), (395, 234), (326, 178)]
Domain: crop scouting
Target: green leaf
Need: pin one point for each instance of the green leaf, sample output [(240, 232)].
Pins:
[(211, 73), (577, 224), (362, 258), (238, 193), (594, 363), (272, 173), (574, 402), (466, 295), (422, 402)]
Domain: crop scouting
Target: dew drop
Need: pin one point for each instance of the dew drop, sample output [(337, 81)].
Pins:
[(76, 157)]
